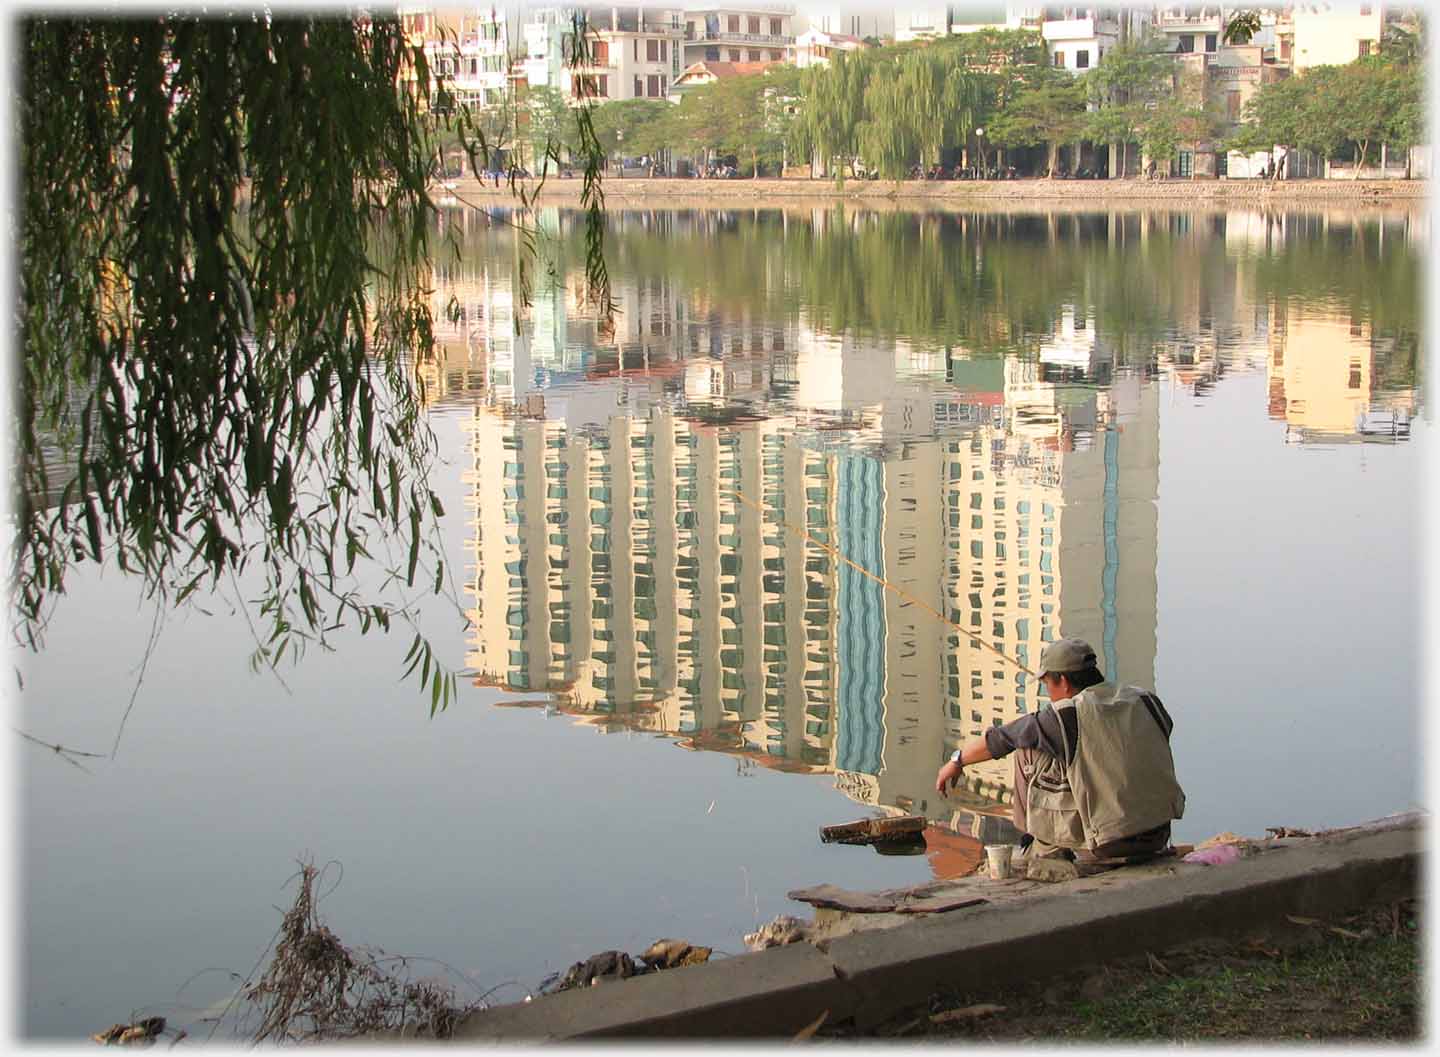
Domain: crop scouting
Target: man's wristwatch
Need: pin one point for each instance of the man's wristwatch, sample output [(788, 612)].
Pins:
[(955, 758)]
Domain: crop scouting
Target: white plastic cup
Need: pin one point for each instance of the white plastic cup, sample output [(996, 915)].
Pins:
[(999, 858)]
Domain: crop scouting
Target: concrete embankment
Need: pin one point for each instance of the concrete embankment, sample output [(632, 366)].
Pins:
[(868, 975), (964, 194)]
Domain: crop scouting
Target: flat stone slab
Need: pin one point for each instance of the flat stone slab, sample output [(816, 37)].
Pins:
[(921, 899)]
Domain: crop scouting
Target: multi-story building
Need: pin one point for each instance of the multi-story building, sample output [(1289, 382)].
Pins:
[(760, 32), (1076, 38), (1330, 34), (542, 63), (858, 21), (922, 23), (637, 52), (1188, 28), (470, 47)]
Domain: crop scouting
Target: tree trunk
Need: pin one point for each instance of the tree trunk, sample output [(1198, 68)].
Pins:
[(1364, 147), (1052, 154)]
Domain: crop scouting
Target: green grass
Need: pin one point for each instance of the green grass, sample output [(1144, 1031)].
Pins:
[(1301, 979), (1343, 989)]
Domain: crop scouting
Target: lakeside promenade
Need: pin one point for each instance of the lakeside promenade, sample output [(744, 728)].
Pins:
[(633, 191)]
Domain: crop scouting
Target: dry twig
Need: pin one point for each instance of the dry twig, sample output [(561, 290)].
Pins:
[(317, 989)]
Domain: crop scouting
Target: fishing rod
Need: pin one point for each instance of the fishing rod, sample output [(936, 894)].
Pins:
[(836, 553)]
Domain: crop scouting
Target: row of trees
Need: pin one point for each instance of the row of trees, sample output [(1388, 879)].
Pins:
[(1333, 110), (742, 116), (892, 108)]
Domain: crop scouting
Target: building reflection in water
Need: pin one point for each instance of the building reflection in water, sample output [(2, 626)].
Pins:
[(625, 573), (655, 508)]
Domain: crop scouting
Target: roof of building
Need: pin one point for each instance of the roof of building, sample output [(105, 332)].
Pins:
[(722, 70), (833, 38)]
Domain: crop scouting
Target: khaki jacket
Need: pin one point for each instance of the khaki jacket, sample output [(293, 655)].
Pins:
[(1121, 780)]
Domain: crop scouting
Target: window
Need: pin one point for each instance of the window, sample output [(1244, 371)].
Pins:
[(1232, 105), (664, 51), (602, 85), (712, 54), (776, 56), (1058, 58), (1285, 49), (1187, 42), (652, 51), (775, 29), (653, 86), (1082, 59), (1366, 47), (1187, 163), (639, 87), (752, 24), (1364, 10), (601, 53), (754, 55), (1209, 41), (732, 23), (734, 54), (635, 48)]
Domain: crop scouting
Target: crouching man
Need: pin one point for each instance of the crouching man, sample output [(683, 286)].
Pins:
[(1094, 777)]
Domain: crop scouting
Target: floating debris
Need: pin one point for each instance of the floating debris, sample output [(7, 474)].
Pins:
[(141, 1033), (672, 954), (781, 931), (872, 830), (598, 969)]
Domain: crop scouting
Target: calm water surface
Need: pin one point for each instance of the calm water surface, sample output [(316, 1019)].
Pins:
[(1192, 438)]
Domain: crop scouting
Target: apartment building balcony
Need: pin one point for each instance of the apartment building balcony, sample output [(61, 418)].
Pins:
[(704, 36), (1171, 26), (1079, 29), (1192, 20), (632, 20), (480, 45), (488, 80)]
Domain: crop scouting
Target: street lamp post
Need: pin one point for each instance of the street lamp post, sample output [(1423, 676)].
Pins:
[(980, 142)]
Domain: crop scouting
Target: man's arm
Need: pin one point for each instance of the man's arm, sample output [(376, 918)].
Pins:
[(1038, 730), (976, 751)]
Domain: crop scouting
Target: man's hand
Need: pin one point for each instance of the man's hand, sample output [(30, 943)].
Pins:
[(947, 777)]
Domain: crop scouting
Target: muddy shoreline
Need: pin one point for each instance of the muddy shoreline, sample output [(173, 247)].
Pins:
[(963, 194)]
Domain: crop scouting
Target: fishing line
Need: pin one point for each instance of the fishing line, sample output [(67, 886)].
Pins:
[(835, 552)]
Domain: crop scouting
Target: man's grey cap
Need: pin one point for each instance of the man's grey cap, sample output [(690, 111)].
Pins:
[(1066, 655)]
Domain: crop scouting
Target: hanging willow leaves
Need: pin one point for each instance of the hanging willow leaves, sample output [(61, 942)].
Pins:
[(225, 253), (904, 105)]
